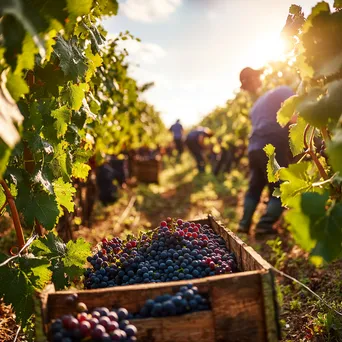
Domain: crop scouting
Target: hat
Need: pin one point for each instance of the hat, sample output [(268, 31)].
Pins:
[(247, 73)]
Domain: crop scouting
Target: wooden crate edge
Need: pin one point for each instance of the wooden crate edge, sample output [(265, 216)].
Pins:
[(271, 307)]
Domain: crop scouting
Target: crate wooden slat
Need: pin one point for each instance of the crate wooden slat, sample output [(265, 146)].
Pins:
[(243, 304)]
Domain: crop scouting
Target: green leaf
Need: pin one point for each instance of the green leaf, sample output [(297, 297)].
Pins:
[(27, 16), (64, 195), (316, 228), (319, 109), (107, 7), (74, 95), (16, 86), (17, 290), (338, 3), (288, 109), (43, 181), (5, 153), (297, 179), (62, 157), (272, 165), (299, 225), (50, 246), (36, 269), (76, 257), (316, 10), (71, 59), (79, 8), (334, 150), (2, 198), (59, 277), (80, 170), (63, 117), (38, 205), (296, 136), (26, 58)]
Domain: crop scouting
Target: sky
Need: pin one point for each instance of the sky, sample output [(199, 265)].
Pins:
[(194, 50)]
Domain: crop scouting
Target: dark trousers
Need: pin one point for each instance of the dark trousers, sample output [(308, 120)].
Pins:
[(257, 181), (196, 151), (179, 146)]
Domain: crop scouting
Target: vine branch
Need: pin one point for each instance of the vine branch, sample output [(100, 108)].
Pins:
[(15, 215), (310, 150)]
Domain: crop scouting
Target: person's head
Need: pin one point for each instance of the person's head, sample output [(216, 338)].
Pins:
[(250, 79), (208, 131), (177, 121)]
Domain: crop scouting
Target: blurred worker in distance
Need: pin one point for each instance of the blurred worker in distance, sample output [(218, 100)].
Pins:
[(265, 130), (195, 143), (177, 131)]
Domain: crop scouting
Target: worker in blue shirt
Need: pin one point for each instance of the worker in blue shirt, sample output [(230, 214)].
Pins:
[(265, 130), (195, 144), (177, 131)]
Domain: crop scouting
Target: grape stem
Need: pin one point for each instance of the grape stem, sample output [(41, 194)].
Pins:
[(38, 228), (15, 215), (310, 150), (325, 134)]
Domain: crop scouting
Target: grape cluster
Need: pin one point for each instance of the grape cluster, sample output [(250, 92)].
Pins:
[(186, 300), (174, 251), (101, 325)]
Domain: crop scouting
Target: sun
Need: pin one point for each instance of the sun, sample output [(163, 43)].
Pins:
[(266, 49)]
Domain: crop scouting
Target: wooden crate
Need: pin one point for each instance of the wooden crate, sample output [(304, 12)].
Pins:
[(243, 304), (147, 171)]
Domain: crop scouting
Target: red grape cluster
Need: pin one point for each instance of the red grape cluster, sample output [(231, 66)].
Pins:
[(174, 251), (100, 325)]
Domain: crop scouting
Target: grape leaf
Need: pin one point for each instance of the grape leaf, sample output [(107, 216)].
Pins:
[(296, 136), (50, 246), (59, 277), (334, 150), (76, 256), (319, 109), (297, 179), (5, 153), (64, 195), (36, 269), (26, 58), (107, 7), (16, 86), (74, 94), (27, 16), (94, 61), (288, 109), (78, 8), (272, 165), (315, 228), (62, 157), (71, 59), (80, 170), (45, 183), (2, 198), (63, 117), (37, 204), (17, 290)]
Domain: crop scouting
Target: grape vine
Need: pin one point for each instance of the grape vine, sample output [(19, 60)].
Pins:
[(65, 93), (311, 188)]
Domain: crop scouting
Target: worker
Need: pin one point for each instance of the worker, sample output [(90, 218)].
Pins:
[(265, 130)]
